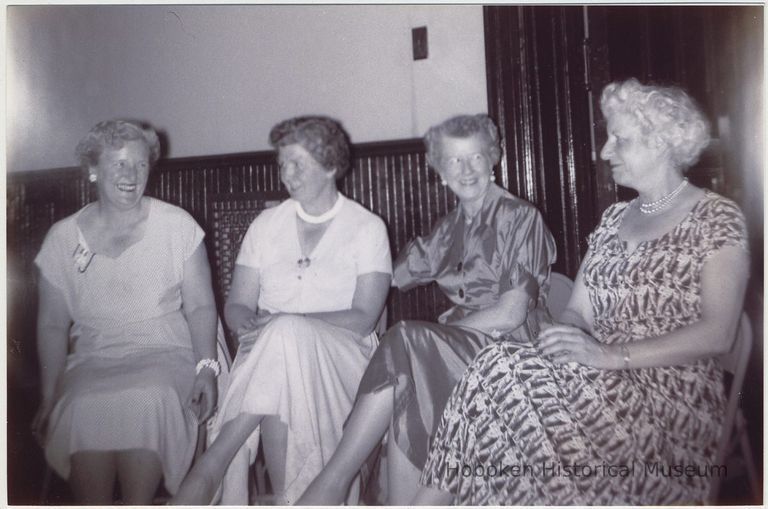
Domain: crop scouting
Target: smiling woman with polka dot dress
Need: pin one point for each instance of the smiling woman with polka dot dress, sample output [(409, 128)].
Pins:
[(126, 329)]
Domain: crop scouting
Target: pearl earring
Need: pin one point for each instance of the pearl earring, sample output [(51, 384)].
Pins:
[(92, 177), (493, 177), (443, 183)]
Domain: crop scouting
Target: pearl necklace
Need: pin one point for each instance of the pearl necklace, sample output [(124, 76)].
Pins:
[(663, 202), (322, 218)]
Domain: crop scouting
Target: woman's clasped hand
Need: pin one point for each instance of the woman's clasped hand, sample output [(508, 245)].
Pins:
[(567, 343)]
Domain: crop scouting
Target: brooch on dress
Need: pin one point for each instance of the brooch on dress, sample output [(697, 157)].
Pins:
[(83, 257)]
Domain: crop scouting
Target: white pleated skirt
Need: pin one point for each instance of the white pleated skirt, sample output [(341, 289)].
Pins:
[(306, 372)]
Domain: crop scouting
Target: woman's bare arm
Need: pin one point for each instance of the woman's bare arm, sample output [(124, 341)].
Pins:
[(243, 298), (723, 282), (367, 304), (508, 313), (53, 324), (199, 308)]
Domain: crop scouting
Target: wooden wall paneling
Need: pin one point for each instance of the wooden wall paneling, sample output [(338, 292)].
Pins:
[(598, 73), (568, 103), (538, 94)]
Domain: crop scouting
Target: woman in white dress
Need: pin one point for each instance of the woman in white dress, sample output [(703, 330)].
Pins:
[(126, 311), (308, 288)]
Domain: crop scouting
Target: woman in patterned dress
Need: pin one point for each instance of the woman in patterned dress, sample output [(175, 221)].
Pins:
[(622, 402), (126, 311), (491, 256)]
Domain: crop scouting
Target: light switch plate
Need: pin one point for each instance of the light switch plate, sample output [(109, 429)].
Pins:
[(420, 47)]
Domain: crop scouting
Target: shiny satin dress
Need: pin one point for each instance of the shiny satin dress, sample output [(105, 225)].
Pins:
[(506, 246)]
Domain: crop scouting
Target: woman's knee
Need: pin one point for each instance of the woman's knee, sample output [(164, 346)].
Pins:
[(135, 460), (407, 333), (398, 332), (140, 472)]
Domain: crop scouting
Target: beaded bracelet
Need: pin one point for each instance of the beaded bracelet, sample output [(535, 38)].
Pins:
[(625, 355), (210, 364)]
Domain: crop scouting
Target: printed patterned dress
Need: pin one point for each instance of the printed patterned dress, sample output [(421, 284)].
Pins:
[(520, 430)]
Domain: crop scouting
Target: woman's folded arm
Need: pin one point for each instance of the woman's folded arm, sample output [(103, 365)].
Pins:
[(367, 304), (506, 314)]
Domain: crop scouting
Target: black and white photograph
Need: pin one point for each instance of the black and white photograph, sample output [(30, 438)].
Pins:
[(384, 254)]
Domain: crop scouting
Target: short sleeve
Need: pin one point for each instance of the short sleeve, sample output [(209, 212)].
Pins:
[(251, 249), (609, 217), (53, 256), (374, 253), (414, 265), (192, 235), (724, 226), (534, 251)]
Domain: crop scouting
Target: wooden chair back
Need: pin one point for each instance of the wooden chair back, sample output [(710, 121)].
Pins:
[(734, 435)]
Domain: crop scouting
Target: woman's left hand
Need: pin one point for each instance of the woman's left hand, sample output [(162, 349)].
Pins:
[(204, 395), (565, 343)]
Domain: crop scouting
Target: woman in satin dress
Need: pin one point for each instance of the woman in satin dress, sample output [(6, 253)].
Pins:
[(491, 256)]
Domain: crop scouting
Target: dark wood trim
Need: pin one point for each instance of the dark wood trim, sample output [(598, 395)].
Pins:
[(538, 96)]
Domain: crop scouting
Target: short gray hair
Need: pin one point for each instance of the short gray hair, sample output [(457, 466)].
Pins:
[(462, 126)]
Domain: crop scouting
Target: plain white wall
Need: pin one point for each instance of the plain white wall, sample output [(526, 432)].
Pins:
[(216, 78)]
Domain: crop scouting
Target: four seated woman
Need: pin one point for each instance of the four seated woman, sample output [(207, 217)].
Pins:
[(308, 288), (627, 386), (491, 256), (628, 379)]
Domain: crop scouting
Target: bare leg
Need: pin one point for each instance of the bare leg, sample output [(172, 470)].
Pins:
[(139, 472), (366, 426), (275, 441), (200, 484), (402, 476), (92, 477), (432, 496)]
